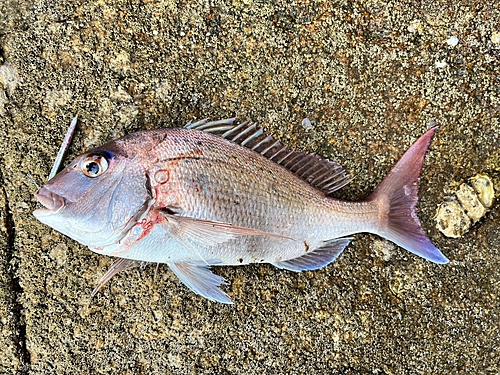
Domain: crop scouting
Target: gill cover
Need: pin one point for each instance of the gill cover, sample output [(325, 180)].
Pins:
[(97, 198)]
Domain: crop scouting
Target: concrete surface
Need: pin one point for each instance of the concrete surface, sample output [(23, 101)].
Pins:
[(370, 75)]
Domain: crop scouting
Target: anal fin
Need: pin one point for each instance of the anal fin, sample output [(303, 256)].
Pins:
[(198, 277), (317, 258)]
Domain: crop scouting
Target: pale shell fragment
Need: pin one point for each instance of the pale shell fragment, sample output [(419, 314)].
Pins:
[(465, 207), (306, 124), (470, 202), (452, 220), (483, 186)]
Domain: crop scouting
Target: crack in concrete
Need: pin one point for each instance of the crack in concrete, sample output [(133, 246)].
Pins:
[(12, 267), (19, 320)]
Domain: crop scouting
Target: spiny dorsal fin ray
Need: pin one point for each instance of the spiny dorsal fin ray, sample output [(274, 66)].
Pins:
[(321, 173)]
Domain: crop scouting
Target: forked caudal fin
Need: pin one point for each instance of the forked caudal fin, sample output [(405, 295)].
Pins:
[(397, 198)]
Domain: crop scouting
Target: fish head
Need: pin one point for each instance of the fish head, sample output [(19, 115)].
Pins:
[(97, 198)]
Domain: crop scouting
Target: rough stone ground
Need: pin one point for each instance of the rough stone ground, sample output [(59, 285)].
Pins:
[(370, 75)]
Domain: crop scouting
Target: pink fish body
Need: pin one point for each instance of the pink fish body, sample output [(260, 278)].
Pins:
[(222, 193)]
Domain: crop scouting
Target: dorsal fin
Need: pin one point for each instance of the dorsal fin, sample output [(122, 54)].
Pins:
[(321, 173)]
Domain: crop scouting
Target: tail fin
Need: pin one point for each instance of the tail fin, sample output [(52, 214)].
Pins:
[(397, 198)]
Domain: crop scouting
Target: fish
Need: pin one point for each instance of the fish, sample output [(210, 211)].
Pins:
[(224, 193)]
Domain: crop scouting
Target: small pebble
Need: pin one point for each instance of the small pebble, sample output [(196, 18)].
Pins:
[(495, 37)]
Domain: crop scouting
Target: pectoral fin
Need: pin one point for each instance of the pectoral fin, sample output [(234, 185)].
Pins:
[(209, 232), (317, 258), (198, 277)]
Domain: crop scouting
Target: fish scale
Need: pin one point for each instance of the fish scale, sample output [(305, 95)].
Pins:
[(225, 193), (288, 207)]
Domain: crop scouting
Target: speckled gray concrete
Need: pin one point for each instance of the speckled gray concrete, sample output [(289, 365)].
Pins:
[(371, 76)]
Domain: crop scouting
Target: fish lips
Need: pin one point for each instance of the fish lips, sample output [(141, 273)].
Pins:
[(52, 202)]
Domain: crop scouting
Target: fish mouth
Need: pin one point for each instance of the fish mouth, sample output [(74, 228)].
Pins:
[(51, 201)]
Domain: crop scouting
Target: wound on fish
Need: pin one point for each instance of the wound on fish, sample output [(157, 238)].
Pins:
[(225, 193)]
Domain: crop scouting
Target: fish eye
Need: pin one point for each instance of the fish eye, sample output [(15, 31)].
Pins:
[(94, 165)]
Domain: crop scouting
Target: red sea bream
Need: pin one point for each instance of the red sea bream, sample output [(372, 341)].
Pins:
[(223, 193)]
